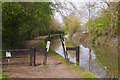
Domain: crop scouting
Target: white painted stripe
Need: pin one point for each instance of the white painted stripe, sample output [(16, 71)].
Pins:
[(48, 45)]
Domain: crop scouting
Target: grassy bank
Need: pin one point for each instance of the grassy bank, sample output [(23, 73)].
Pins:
[(80, 70), (3, 76), (90, 39)]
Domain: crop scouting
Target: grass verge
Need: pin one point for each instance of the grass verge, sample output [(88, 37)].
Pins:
[(3, 76), (85, 73), (42, 66)]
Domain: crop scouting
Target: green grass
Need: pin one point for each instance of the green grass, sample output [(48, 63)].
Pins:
[(84, 73), (3, 76), (43, 66), (52, 53), (42, 42)]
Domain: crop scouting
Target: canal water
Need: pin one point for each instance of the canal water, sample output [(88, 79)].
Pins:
[(100, 60)]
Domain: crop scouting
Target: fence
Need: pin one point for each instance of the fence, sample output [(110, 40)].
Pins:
[(65, 49), (31, 51)]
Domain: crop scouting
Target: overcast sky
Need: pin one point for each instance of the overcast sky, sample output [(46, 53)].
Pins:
[(78, 5), (81, 7)]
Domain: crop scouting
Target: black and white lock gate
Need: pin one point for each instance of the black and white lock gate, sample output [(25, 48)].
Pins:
[(47, 49), (31, 51), (65, 49)]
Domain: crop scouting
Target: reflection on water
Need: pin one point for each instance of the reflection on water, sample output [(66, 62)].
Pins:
[(100, 60)]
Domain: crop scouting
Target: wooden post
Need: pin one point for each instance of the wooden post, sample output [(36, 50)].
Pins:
[(77, 55), (34, 51), (8, 55), (47, 49), (62, 41), (8, 59), (45, 58), (90, 58), (31, 56), (64, 48)]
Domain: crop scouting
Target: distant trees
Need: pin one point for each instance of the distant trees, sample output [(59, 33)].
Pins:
[(118, 19), (55, 25), (106, 20), (100, 18), (113, 9), (99, 24), (72, 25), (90, 11), (21, 20)]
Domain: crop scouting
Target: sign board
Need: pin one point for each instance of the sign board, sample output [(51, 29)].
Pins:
[(8, 54), (48, 45)]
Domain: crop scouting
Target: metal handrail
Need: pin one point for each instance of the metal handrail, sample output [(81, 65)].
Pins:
[(15, 50)]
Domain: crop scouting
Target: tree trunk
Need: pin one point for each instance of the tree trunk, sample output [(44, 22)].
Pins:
[(113, 7)]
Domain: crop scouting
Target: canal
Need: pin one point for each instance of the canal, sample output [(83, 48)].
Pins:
[(100, 60)]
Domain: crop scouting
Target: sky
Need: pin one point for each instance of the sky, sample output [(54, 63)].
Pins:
[(78, 6)]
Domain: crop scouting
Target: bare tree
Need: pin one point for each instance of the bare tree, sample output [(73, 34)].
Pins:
[(113, 9)]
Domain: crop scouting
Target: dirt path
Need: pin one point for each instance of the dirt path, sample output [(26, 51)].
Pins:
[(19, 67)]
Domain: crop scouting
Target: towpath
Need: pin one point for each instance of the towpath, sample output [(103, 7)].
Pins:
[(19, 67)]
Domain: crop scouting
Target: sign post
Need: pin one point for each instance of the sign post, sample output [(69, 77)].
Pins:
[(8, 55)]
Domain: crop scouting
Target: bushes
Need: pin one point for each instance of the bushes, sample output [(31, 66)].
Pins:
[(22, 21)]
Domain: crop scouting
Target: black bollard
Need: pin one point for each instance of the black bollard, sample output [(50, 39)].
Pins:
[(77, 55), (34, 51), (30, 56), (47, 49)]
